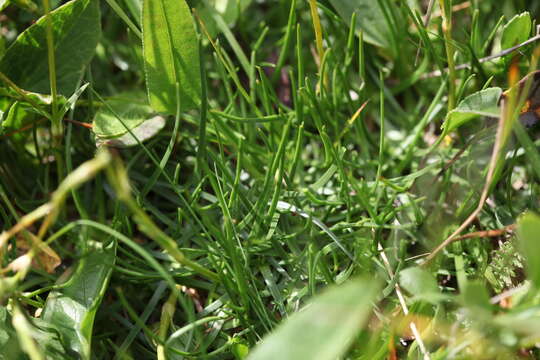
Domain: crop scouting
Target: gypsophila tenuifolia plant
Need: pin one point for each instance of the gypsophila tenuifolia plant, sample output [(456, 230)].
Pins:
[(277, 179)]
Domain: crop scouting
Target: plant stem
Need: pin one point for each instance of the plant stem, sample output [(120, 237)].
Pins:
[(57, 127), (446, 11)]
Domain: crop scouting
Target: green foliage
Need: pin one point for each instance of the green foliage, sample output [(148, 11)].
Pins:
[(528, 234), (125, 109), (325, 328), (8, 337), (482, 103), (171, 55), (370, 20), (76, 31), (420, 284), (72, 308), (203, 176), (504, 266), (136, 135), (516, 31)]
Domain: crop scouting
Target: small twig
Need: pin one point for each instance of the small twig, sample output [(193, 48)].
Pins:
[(505, 52), (23, 128), (83, 124), (487, 233)]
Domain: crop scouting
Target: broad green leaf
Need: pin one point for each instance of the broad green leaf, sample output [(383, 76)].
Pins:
[(369, 19), (324, 329), (143, 132), (131, 108), (76, 32), (528, 229), (72, 308), (481, 103), (516, 31), (171, 55)]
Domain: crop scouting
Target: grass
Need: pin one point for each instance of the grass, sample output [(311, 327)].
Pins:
[(315, 158)]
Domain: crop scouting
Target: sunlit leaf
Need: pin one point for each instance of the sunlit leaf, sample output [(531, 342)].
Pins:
[(131, 108), (171, 55), (3, 5)]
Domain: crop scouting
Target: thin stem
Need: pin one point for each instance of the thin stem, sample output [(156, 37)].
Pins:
[(447, 33), (57, 125)]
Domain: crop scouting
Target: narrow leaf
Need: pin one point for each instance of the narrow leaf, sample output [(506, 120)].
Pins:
[(171, 55)]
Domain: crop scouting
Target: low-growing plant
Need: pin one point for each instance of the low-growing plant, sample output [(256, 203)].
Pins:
[(280, 179)]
